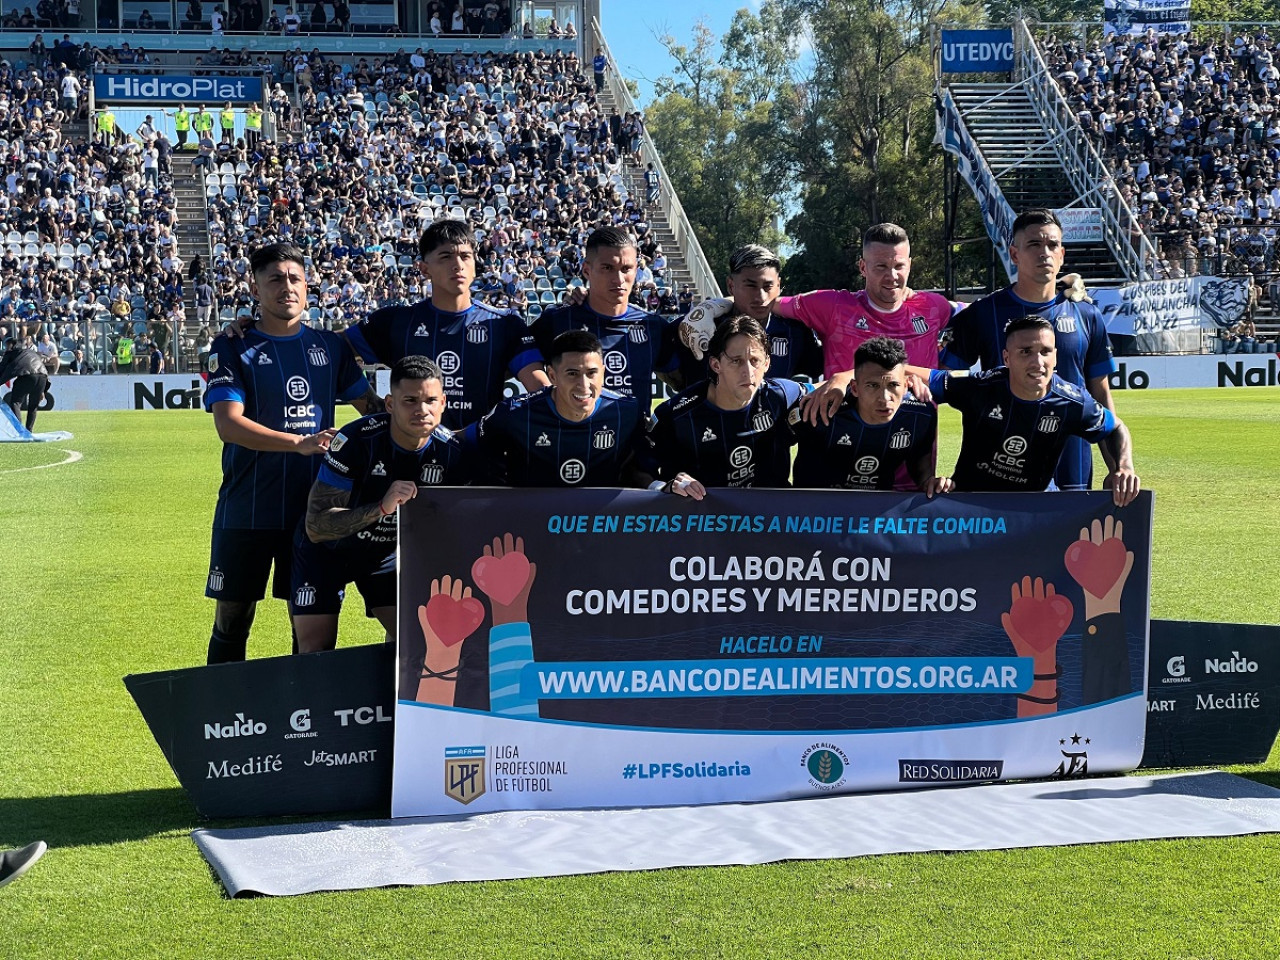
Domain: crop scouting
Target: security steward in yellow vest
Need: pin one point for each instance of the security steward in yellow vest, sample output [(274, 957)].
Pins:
[(182, 125)]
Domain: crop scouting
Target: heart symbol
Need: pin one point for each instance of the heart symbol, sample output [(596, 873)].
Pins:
[(502, 578), (454, 620), (1096, 566), (1040, 621)]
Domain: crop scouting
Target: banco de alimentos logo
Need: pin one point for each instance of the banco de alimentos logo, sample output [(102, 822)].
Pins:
[(825, 763)]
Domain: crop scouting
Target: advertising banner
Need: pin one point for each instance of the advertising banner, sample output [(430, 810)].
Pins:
[(127, 88), (977, 51), (1213, 693), (1135, 17), (277, 736), (587, 648)]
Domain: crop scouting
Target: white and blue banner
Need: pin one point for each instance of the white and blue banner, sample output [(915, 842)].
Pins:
[(997, 215), (1080, 224), (1135, 17), (596, 648), (1155, 307), (127, 88), (977, 51)]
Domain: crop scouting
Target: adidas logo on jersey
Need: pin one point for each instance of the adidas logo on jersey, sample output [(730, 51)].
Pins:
[(709, 434), (996, 413), (378, 470), (421, 331), (542, 441), (900, 440), (263, 360), (844, 441), (317, 357)]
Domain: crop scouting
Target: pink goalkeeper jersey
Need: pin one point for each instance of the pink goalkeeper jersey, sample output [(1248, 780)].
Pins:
[(845, 320)]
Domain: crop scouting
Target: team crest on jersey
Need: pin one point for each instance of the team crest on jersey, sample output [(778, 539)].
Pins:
[(572, 471), (708, 435), (1049, 424), (919, 324), (867, 465), (604, 439), (637, 334), (433, 474), (900, 440), (996, 413), (477, 333), (318, 356), (338, 443), (862, 324), (263, 359), (1065, 324), (304, 596), (542, 441), (421, 331), (762, 421), (844, 441), (779, 347), (216, 580), (213, 363), (379, 470)]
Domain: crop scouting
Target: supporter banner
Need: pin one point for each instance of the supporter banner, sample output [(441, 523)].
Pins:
[(124, 88), (997, 215), (1136, 17), (1213, 693), (584, 648), (1168, 315), (977, 51), (277, 736), (1080, 224)]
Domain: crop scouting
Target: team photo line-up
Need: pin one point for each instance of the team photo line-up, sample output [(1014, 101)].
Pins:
[(313, 508)]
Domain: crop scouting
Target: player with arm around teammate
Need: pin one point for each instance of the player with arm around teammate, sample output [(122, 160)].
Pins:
[(1017, 418), (371, 467), (731, 429), (878, 429), (272, 393)]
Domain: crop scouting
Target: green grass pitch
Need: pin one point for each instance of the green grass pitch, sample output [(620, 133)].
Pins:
[(104, 561)]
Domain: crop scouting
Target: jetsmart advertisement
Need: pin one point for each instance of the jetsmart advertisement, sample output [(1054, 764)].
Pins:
[(172, 88)]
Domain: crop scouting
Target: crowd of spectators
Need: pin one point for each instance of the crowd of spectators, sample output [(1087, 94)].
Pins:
[(1191, 128)]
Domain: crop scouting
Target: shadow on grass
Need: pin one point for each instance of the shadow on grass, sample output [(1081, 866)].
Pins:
[(101, 818), (1268, 778)]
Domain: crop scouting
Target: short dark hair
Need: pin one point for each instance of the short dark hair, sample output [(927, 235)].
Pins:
[(611, 238), (264, 257), (883, 351), (888, 233), (415, 368), (445, 233), (752, 257), (1030, 322), (737, 325), (1036, 217), (574, 341)]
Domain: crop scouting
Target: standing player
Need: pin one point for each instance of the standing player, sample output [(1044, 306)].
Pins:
[(729, 430), (272, 392), (1017, 419), (754, 287), (475, 346), (371, 467), (636, 344), (875, 432), (574, 433), (977, 333)]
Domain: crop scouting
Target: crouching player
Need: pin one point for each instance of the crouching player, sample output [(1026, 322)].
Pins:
[(372, 466), (729, 430), (877, 429)]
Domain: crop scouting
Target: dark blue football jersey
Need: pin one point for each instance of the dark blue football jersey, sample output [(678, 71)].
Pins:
[(851, 454), (748, 447), (477, 350), (524, 442), (289, 384), (636, 345), (364, 459), (794, 351), (1013, 444)]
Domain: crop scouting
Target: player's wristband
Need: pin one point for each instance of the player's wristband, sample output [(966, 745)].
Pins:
[(384, 513)]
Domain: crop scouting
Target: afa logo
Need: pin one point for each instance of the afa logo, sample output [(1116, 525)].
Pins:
[(213, 363), (464, 773), (825, 764)]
